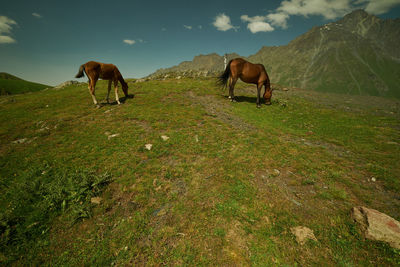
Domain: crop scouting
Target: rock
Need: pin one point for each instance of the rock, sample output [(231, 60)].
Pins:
[(377, 226), (302, 234), (65, 84), (148, 146), (392, 143), (285, 89), (141, 80), (164, 137), (276, 173), (373, 179), (20, 141), (96, 200), (112, 136)]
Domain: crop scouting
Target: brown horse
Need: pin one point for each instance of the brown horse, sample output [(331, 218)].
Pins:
[(95, 70), (249, 73)]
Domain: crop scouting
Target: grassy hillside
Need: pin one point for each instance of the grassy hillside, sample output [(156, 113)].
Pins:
[(10, 85), (223, 190)]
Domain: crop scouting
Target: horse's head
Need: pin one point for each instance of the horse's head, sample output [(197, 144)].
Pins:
[(268, 95), (125, 89)]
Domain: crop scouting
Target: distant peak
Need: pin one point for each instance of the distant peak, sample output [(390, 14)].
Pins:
[(357, 14)]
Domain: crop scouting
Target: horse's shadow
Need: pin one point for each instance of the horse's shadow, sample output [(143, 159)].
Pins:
[(122, 100), (248, 99)]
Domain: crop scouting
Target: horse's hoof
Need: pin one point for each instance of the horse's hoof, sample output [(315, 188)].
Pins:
[(98, 106), (258, 106)]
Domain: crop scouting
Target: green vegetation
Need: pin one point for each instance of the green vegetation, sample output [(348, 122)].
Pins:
[(10, 85), (224, 189)]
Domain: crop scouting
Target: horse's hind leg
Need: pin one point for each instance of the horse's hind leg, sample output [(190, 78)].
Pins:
[(108, 93), (116, 92), (92, 85), (232, 82)]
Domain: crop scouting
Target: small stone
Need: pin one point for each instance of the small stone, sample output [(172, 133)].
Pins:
[(20, 141), (373, 179), (276, 172), (302, 234), (148, 146), (164, 137), (392, 143), (96, 200), (112, 136)]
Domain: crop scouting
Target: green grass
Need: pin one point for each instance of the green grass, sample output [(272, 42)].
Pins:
[(209, 195)]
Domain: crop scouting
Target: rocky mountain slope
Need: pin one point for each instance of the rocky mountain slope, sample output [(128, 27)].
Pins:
[(356, 55)]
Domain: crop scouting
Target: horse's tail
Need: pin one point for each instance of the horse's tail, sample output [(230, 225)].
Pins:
[(223, 78), (80, 73)]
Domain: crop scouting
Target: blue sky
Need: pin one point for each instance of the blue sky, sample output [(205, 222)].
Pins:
[(46, 41)]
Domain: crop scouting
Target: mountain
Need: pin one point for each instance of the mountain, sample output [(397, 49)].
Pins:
[(10, 84), (357, 54)]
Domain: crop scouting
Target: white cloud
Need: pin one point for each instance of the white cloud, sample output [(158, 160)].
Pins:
[(257, 24), (278, 19), (129, 42), (329, 9), (6, 39), (6, 25), (378, 7), (187, 27), (223, 23), (36, 15)]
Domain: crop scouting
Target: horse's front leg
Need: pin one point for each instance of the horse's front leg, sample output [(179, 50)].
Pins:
[(116, 92), (258, 94), (108, 93)]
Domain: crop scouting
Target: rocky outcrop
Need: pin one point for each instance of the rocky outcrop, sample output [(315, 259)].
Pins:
[(65, 84)]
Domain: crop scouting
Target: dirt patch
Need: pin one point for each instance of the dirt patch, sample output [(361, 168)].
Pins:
[(220, 110)]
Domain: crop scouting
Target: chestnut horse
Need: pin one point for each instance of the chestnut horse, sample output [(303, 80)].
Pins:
[(95, 70), (249, 73)]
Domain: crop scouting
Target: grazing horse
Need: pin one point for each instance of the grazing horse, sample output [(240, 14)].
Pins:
[(249, 73), (95, 70)]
